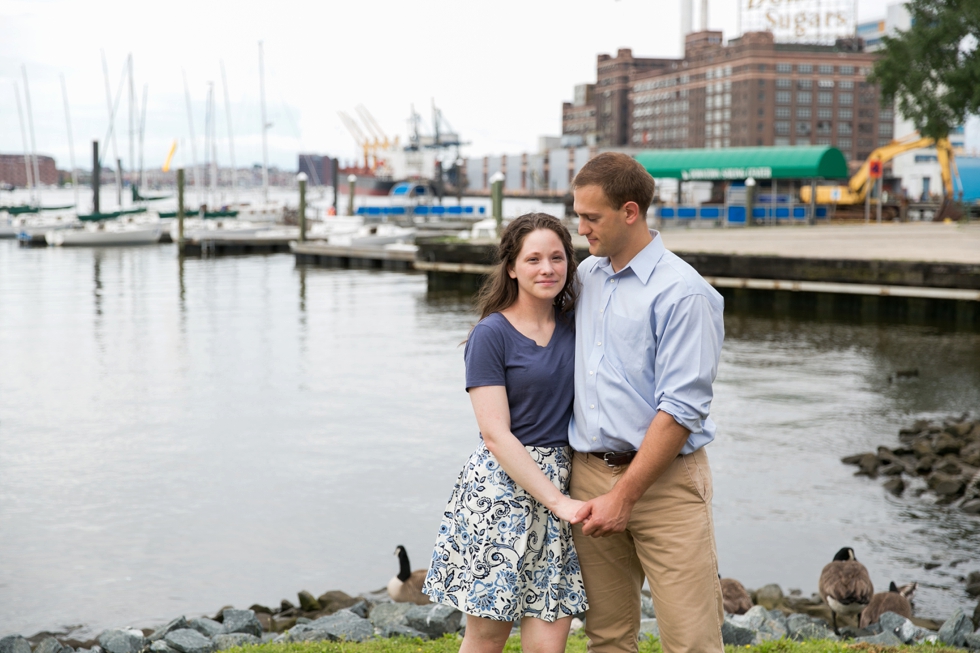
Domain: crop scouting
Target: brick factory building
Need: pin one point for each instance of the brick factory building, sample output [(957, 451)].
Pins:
[(752, 91), (14, 172)]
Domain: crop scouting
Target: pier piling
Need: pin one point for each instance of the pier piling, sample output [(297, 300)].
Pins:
[(497, 198), (301, 178), (180, 211), (96, 182), (351, 182)]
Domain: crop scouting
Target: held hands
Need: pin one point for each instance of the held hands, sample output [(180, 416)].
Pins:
[(567, 508), (604, 515)]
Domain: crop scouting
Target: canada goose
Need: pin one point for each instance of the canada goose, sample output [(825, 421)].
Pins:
[(845, 585), (737, 600), (406, 587), (896, 599)]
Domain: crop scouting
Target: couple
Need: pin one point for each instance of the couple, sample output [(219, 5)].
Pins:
[(598, 384)]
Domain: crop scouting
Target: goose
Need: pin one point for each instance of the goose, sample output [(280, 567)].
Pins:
[(737, 600), (896, 599), (845, 585), (406, 587)]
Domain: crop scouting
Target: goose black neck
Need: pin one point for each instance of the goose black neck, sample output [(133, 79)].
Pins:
[(405, 570)]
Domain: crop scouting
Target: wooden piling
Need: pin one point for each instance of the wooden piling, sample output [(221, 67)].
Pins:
[(180, 211), (351, 183), (96, 182), (301, 178), (497, 199)]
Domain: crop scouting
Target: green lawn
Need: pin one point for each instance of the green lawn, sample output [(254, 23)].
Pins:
[(576, 644)]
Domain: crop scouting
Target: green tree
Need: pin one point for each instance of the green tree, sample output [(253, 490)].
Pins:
[(933, 69)]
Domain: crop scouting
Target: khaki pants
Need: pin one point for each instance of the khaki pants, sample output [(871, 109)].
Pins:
[(670, 539)]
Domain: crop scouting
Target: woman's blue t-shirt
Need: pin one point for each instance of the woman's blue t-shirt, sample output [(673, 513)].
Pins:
[(539, 380)]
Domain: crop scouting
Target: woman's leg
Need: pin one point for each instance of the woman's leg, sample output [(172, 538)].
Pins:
[(485, 635), (540, 636)]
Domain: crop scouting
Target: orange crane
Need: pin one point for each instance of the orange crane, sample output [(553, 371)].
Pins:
[(362, 141)]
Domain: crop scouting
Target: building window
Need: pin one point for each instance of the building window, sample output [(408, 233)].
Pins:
[(845, 84), (844, 143), (804, 97), (866, 113), (885, 129), (759, 126), (762, 67), (762, 96), (804, 69), (825, 69), (782, 127), (884, 141), (825, 114), (783, 97), (824, 127), (762, 83), (846, 99), (825, 98), (885, 114), (782, 112), (805, 84), (803, 128), (846, 70), (826, 83), (868, 98), (845, 114), (784, 68), (865, 128), (865, 142), (803, 112), (823, 140), (843, 128), (783, 82), (781, 142)]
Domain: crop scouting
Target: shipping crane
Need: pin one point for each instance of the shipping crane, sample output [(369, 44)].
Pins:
[(380, 137), (860, 184), (362, 141)]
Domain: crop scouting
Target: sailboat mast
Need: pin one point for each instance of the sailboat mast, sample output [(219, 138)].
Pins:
[(212, 142), (265, 127), (71, 142), (112, 120), (27, 152), (231, 139), (142, 133), (132, 120), (30, 123), (190, 126)]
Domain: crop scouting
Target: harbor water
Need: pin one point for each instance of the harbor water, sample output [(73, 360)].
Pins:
[(176, 436)]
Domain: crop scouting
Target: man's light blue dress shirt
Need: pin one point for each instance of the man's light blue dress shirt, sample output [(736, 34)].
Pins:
[(647, 339)]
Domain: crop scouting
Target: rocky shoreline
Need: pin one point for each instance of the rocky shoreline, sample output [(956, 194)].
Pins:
[(337, 616), (945, 455)]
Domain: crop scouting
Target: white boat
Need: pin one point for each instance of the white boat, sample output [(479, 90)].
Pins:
[(374, 235), (105, 233), (37, 225)]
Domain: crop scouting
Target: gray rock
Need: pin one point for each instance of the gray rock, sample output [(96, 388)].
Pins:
[(647, 609), (384, 615), (268, 637), (769, 596), (800, 627), (649, 628), (161, 646), (972, 641), (123, 641), (303, 620), (902, 628), (753, 619), (51, 645), (176, 624), (205, 626), (884, 638), (956, 628), (188, 640), (241, 621), (341, 625), (14, 644), (434, 620), (361, 609), (736, 635), (398, 630), (774, 627), (231, 640)]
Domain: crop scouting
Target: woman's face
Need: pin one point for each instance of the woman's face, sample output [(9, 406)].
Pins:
[(541, 265)]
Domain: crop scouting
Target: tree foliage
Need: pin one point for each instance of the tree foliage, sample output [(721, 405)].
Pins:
[(932, 70)]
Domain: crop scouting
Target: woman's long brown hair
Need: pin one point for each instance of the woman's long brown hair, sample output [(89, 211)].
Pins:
[(499, 291)]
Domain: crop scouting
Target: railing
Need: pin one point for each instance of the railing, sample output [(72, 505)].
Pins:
[(420, 210), (735, 214)]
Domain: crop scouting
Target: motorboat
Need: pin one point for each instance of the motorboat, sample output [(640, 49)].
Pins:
[(105, 233)]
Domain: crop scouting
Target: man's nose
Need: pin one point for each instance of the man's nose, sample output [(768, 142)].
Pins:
[(582, 227)]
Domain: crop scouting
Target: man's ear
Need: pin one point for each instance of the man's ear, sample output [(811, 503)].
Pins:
[(632, 212)]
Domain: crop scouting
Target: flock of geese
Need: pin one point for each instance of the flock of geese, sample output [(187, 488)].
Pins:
[(845, 586)]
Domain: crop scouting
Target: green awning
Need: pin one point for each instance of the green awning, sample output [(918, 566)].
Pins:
[(742, 162)]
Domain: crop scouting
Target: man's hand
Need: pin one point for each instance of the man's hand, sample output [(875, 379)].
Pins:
[(605, 515)]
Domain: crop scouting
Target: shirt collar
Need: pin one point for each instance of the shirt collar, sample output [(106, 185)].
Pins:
[(642, 264)]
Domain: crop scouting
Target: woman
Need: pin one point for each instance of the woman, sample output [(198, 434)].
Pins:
[(504, 551)]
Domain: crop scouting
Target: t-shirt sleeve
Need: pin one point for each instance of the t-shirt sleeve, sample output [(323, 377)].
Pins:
[(484, 357)]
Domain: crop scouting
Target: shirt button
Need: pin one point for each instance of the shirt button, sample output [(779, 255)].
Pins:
[(591, 372), (593, 439), (598, 344), (592, 406), (600, 311)]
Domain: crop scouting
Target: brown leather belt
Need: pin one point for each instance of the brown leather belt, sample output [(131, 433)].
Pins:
[(614, 458)]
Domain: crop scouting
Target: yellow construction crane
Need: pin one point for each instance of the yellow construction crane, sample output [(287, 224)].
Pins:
[(860, 184), (362, 141), (380, 137)]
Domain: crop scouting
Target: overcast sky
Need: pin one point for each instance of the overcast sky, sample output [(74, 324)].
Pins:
[(498, 70)]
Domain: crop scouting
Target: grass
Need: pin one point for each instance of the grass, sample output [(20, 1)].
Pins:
[(576, 644)]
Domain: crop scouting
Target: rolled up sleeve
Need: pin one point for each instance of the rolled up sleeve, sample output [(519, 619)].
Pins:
[(688, 349)]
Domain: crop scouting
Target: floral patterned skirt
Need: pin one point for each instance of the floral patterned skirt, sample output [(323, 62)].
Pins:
[(502, 555)]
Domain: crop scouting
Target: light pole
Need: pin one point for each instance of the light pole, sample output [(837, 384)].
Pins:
[(749, 200)]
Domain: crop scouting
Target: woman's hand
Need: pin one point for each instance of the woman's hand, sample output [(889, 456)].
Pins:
[(567, 507)]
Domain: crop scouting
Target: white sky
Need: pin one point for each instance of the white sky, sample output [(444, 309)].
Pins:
[(498, 70)]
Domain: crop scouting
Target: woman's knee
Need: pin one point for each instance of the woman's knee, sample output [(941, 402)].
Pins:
[(486, 634), (539, 636)]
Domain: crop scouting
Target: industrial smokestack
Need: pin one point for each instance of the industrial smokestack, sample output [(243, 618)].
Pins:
[(704, 15), (687, 16)]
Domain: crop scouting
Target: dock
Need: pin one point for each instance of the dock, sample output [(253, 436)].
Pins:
[(231, 244), (320, 253)]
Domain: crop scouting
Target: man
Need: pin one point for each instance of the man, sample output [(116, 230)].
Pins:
[(648, 336)]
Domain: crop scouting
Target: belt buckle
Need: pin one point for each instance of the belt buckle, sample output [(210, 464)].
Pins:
[(608, 457)]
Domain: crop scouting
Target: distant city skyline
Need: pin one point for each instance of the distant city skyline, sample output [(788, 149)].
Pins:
[(499, 75)]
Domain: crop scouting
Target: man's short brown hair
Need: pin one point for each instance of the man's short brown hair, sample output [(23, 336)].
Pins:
[(621, 178)]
